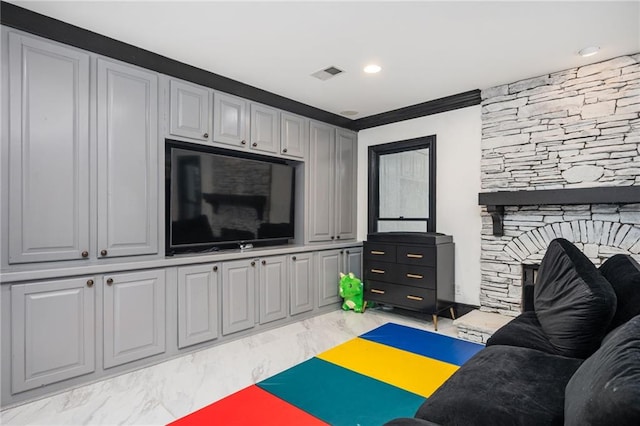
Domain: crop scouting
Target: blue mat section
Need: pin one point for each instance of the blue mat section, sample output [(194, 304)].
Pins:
[(432, 345), (340, 396)]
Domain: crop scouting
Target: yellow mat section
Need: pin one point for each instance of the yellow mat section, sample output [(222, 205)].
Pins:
[(406, 370)]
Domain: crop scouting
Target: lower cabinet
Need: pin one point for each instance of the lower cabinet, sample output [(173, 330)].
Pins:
[(134, 316), (50, 327), (273, 288), (238, 295), (330, 264), (197, 304), (300, 283), (53, 333)]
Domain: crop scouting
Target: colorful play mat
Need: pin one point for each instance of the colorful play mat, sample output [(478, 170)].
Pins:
[(380, 375)]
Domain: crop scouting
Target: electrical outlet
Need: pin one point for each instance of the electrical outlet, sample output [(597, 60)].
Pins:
[(458, 291)]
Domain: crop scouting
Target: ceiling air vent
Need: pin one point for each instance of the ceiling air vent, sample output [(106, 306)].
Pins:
[(327, 73)]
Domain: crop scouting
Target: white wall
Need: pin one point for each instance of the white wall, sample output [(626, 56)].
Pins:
[(458, 136)]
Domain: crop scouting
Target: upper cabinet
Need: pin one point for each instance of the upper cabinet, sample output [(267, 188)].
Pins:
[(229, 119), (52, 182), (331, 184), (49, 151), (188, 110), (294, 132), (127, 160), (346, 176), (265, 129)]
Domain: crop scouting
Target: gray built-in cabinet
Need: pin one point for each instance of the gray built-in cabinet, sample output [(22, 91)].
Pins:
[(189, 110), (330, 264), (127, 160), (265, 129), (134, 316), (332, 189), (50, 189), (197, 304), (301, 283), (229, 119), (49, 151), (86, 290), (53, 336), (237, 123)]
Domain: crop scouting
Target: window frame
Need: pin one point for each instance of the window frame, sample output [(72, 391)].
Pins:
[(375, 151)]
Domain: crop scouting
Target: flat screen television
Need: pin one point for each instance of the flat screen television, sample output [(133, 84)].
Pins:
[(220, 199)]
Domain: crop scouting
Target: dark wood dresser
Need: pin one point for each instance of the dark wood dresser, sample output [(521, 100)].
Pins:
[(409, 270)]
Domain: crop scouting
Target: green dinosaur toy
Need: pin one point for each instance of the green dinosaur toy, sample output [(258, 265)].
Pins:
[(352, 291)]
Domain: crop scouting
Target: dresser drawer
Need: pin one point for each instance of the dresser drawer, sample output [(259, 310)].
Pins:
[(379, 252), (417, 276), (380, 271), (416, 255), (415, 298)]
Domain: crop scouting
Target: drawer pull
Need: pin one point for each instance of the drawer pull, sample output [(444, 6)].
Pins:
[(419, 299), (375, 290), (377, 271), (414, 256), (416, 276), (377, 252)]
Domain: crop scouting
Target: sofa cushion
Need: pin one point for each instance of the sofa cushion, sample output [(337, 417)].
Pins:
[(623, 273), (574, 303), (503, 385), (606, 387), (523, 331)]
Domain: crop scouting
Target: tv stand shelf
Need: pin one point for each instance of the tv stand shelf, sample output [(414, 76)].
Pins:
[(412, 271)]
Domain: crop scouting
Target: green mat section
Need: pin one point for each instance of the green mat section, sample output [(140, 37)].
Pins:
[(339, 396)]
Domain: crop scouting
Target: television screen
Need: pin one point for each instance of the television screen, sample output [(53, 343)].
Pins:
[(220, 199)]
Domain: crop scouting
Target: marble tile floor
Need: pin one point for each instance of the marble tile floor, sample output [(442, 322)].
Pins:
[(164, 392)]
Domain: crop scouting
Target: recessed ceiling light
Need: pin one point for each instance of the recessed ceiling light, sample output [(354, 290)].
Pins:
[(589, 51), (372, 69), (349, 112)]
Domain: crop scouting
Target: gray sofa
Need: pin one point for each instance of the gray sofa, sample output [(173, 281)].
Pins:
[(574, 360)]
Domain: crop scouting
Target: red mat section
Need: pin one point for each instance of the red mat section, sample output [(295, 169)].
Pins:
[(250, 406)]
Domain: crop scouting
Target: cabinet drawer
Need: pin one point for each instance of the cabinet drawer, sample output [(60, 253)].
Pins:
[(380, 271), (415, 298), (416, 255), (380, 252), (417, 276)]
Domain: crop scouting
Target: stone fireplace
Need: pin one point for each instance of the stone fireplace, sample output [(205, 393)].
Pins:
[(568, 144)]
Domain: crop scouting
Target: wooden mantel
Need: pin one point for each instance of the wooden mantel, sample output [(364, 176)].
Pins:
[(496, 201)]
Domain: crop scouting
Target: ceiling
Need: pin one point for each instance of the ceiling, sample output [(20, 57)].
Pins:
[(427, 49)]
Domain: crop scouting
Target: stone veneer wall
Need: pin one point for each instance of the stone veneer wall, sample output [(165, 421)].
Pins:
[(573, 128)]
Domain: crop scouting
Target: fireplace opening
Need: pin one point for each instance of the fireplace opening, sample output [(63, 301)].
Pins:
[(529, 275)]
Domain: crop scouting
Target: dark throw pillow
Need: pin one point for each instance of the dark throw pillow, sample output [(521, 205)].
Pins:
[(623, 272), (605, 390), (523, 331), (573, 302)]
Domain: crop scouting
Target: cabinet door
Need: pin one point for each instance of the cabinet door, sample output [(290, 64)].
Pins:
[(134, 316), (293, 131), (353, 261), (346, 175), (238, 296), (273, 289), (265, 129), (189, 110), (229, 120), (127, 160), (300, 283), (329, 265), (49, 151), (321, 182), (52, 332), (197, 304)]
